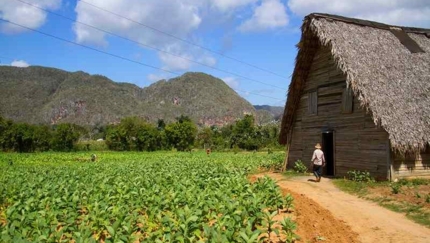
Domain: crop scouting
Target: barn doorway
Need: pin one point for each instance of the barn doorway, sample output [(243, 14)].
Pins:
[(328, 149)]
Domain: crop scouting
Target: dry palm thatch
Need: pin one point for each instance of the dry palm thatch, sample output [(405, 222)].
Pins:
[(390, 82)]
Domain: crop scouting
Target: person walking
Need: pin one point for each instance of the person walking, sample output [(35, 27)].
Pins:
[(318, 162)]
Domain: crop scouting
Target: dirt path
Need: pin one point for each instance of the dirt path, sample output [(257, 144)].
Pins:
[(371, 222)]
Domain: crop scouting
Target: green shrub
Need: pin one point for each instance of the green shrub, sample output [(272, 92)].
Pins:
[(288, 228), (288, 201), (359, 176), (300, 167), (66, 136), (395, 188), (413, 182), (277, 160)]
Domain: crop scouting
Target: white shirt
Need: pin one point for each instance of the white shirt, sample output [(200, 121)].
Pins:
[(318, 157)]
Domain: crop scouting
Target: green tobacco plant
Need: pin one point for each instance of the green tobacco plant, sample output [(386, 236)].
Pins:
[(360, 176), (396, 188), (288, 228), (299, 167), (288, 201), (131, 196)]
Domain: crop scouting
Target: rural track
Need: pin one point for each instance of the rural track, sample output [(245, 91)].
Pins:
[(371, 222)]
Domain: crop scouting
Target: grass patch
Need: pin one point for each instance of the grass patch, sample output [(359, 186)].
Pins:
[(353, 187), (420, 218), (414, 212), (390, 200), (414, 182)]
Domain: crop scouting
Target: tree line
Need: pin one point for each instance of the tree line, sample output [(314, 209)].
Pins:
[(136, 134)]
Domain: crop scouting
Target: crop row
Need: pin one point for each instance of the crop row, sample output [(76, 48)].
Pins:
[(132, 197)]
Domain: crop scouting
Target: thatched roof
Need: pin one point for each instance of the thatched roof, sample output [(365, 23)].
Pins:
[(390, 81)]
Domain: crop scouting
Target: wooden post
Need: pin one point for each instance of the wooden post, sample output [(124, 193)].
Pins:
[(287, 151), (389, 162), (284, 166)]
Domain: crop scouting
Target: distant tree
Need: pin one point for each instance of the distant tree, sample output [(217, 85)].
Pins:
[(65, 136), (183, 119), (114, 138), (21, 137), (221, 137), (161, 124), (245, 125), (128, 131), (162, 142), (146, 137), (244, 134), (204, 137), (269, 134), (121, 137), (97, 132), (181, 134), (132, 133), (5, 130), (42, 137)]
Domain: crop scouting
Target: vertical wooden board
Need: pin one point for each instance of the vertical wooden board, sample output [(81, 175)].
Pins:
[(313, 103), (347, 101), (294, 155)]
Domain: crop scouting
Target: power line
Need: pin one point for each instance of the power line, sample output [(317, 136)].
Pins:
[(249, 92), (149, 46), (88, 47), (279, 103), (184, 40), (113, 55)]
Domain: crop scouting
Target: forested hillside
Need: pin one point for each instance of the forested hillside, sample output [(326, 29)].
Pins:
[(51, 96)]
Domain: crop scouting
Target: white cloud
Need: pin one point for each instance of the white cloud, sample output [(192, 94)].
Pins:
[(174, 63), (177, 17), (270, 14), (19, 63), (178, 61), (207, 60), (229, 5), (24, 14), (180, 18), (396, 12), (232, 82)]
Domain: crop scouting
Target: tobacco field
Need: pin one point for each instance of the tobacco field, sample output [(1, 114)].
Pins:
[(137, 197)]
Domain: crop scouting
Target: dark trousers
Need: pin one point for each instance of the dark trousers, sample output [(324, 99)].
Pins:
[(317, 170)]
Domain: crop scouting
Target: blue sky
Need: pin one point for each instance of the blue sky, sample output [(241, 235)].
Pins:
[(259, 32)]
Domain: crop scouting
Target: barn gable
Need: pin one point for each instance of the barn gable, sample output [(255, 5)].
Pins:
[(381, 74)]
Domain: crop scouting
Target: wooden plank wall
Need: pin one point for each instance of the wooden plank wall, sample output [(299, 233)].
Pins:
[(411, 165), (360, 145)]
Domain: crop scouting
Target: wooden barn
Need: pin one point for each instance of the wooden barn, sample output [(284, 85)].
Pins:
[(362, 90)]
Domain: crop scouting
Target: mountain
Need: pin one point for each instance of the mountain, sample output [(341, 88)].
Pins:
[(47, 95), (265, 112)]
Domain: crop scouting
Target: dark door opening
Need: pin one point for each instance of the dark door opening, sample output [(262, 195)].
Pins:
[(328, 149)]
